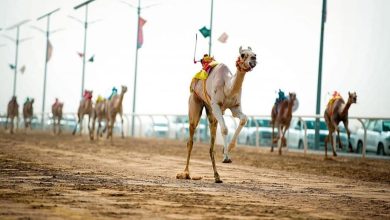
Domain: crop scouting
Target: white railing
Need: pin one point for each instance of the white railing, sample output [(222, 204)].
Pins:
[(145, 125)]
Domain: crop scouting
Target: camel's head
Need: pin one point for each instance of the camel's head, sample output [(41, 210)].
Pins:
[(352, 97), (247, 59), (124, 89), (292, 96), (88, 94)]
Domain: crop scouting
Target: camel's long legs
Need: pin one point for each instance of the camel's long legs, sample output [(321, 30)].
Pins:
[(121, 115), (272, 137), (75, 127), (218, 115), (280, 138), (348, 135), (195, 107), (213, 131), (237, 112)]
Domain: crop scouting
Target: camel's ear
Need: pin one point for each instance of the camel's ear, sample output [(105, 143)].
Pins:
[(349, 93), (249, 48), (240, 50)]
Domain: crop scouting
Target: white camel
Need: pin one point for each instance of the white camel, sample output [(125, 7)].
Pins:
[(220, 91)]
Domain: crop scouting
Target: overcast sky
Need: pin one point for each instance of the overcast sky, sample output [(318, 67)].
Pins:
[(285, 35)]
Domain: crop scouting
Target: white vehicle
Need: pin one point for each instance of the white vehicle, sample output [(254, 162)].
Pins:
[(257, 128), (180, 126), (296, 133), (378, 137), (158, 128)]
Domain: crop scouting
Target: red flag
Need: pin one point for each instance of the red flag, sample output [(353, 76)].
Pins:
[(80, 54), (223, 37), (49, 51), (141, 23)]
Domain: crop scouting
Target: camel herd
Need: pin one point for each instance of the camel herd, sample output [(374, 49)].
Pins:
[(104, 110), (220, 91)]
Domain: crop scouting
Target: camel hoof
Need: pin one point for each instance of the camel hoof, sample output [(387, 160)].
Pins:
[(183, 176), (218, 181), (227, 160), (196, 178)]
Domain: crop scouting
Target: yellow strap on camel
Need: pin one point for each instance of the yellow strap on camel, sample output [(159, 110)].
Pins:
[(207, 97), (331, 102), (202, 74)]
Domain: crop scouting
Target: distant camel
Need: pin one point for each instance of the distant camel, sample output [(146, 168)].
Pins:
[(56, 110), (99, 113), (12, 112), (85, 108), (114, 107), (220, 91), (335, 112), (281, 115), (28, 112)]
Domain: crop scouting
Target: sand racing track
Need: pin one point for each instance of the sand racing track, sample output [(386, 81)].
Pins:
[(43, 176)]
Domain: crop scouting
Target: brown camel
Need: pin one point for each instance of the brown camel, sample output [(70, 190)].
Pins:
[(114, 107), (85, 108), (281, 115), (12, 112), (335, 112), (56, 110), (220, 91), (99, 113), (28, 112)]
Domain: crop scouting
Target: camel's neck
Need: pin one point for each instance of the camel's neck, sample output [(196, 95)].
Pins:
[(289, 107), (236, 83), (120, 99), (344, 112)]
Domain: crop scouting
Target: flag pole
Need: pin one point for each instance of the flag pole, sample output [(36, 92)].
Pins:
[(135, 70), (17, 26), (85, 39), (318, 106), (46, 60), (211, 25), (16, 60)]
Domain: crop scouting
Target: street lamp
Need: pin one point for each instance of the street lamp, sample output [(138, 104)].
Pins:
[(46, 59), (136, 58), (17, 26), (318, 107), (86, 3)]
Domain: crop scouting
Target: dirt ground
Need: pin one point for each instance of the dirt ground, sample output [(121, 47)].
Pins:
[(43, 176)]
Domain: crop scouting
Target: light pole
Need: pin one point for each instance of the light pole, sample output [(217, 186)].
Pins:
[(46, 59), (211, 26), (318, 106), (17, 26), (86, 3), (136, 58)]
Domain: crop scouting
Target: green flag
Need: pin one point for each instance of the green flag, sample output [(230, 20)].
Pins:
[(12, 66), (205, 32), (92, 58)]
